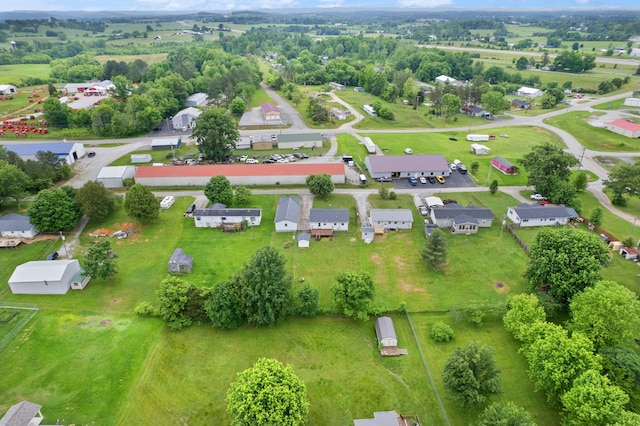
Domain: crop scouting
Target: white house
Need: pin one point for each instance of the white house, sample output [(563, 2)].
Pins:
[(332, 219), (219, 215), (536, 215), (369, 110), (461, 219), (391, 218), (7, 89), (287, 215), (529, 92), (46, 277), (186, 118), (13, 225), (114, 176)]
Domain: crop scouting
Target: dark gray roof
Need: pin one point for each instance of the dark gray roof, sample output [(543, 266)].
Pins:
[(465, 219), (407, 163), (536, 211), (15, 222), (380, 418), (288, 209), (385, 329), (300, 137), (227, 212), (453, 210), (329, 215), (304, 236), (391, 215), (180, 257), (20, 414), (504, 162)]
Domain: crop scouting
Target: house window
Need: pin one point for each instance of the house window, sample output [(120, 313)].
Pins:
[(223, 218), (198, 218), (525, 220)]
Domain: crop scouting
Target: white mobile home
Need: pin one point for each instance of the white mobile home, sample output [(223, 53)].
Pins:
[(333, 219), (369, 110), (526, 215), (14, 225), (391, 218), (368, 143), (218, 216)]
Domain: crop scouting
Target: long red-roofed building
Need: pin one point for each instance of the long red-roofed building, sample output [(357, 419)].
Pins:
[(624, 128), (238, 174)]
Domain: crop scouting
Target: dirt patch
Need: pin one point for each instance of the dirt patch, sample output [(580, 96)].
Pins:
[(501, 287), (352, 240), (105, 323), (410, 288), (375, 258), (116, 300), (400, 265)]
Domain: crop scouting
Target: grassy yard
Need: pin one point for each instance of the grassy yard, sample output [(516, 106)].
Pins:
[(591, 137), (13, 74)]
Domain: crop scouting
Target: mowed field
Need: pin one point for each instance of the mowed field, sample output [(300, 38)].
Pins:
[(135, 368)]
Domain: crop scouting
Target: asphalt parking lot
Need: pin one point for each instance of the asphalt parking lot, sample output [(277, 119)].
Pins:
[(455, 180)]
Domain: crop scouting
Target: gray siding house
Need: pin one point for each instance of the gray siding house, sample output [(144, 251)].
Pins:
[(391, 218), (536, 215), (218, 215), (333, 219), (406, 165), (460, 219), (287, 214)]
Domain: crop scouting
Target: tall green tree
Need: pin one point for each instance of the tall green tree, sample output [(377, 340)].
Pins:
[(308, 297), (593, 400), (320, 185), (216, 134), (173, 295), (54, 210), (14, 183), (596, 216), (545, 164), (267, 287), (268, 393), (565, 261), (225, 307), (100, 262), (494, 102), (470, 374), (508, 414), (141, 205), (353, 294), (580, 181), (524, 310), (607, 313), (56, 113), (435, 251), (218, 190), (242, 196), (621, 365), (95, 200), (624, 180)]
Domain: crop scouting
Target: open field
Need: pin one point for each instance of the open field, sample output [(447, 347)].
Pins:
[(13, 74), (152, 58), (593, 137)]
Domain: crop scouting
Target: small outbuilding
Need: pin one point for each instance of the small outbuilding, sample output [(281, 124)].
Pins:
[(141, 158), (386, 332), (186, 118), (46, 277), (505, 166), (478, 149), (270, 112), (14, 225), (166, 143), (287, 214), (196, 100), (304, 238), (8, 89), (23, 413), (629, 253), (167, 202), (180, 262), (114, 176)]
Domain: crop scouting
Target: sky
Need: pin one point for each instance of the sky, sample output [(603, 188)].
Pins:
[(228, 5)]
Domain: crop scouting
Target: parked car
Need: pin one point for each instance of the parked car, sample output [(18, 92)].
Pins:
[(453, 139), (384, 179), (304, 155), (440, 179), (91, 154), (268, 161), (251, 161), (408, 151), (538, 197), (423, 180), (413, 181), (282, 161), (53, 255), (243, 158), (431, 179), (423, 210), (462, 169)]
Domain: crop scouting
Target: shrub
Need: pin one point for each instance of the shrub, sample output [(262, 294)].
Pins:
[(146, 309), (393, 195), (441, 332)]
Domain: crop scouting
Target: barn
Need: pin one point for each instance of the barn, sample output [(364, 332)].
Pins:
[(505, 166), (186, 118), (299, 140), (386, 332), (114, 176), (46, 277), (407, 165), (624, 128), (238, 174), (70, 152), (165, 143)]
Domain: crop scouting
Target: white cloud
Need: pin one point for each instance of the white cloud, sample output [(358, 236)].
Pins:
[(582, 1), (424, 3)]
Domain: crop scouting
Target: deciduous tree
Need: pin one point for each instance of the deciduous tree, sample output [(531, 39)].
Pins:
[(508, 414), (622, 366), (320, 185), (494, 102), (624, 180), (307, 301), (565, 262), (471, 374), (242, 195), (224, 306), (435, 252), (140, 204), (54, 210), (173, 294), (596, 216), (545, 164), (268, 393), (216, 134), (524, 310), (99, 262), (13, 182), (607, 313), (218, 190), (353, 293), (95, 200)]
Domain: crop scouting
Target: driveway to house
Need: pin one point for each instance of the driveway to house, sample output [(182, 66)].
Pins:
[(288, 113)]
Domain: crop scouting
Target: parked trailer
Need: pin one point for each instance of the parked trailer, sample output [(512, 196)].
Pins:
[(477, 138)]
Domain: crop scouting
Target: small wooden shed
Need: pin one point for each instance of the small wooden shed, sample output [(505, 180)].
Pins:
[(386, 332), (180, 262)]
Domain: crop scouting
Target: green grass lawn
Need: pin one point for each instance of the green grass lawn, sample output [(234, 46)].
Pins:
[(13, 74), (591, 137)]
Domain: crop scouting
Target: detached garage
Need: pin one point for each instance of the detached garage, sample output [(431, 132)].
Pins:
[(114, 176), (165, 143), (46, 277), (67, 151)]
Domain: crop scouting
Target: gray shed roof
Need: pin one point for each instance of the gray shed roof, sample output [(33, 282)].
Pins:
[(454, 210), (110, 172), (288, 209), (391, 215), (20, 414), (407, 163), (504, 162), (536, 211), (300, 137), (227, 212), (197, 97), (15, 222), (180, 257), (380, 418), (329, 215), (304, 236), (385, 329)]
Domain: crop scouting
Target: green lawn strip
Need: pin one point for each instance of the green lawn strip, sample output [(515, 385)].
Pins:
[(13, 74), (186, 378), (611, 222), (615, 105), (592, 137), (516, 385), (258, 98), (12, 257), (78, 365), (350, 145)]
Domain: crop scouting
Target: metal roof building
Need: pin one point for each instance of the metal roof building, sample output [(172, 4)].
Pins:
[(407, 165), (14, 225), (197, 99), (45, 277), (299, 140), (114, 176), (23, 413), (68, 151), (386, 332), (287, 214)]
